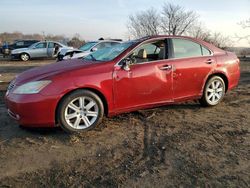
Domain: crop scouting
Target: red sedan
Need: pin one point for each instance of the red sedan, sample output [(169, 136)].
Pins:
[(138, 74)]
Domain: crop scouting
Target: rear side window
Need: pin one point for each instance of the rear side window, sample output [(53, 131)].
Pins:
[(185, 48), (205, 51), (51, 45), (21, 43)]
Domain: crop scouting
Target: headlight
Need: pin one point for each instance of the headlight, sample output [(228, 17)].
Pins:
[(31, 87)]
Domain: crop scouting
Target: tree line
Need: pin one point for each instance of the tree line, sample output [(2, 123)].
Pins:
[(75, 41), (172, 20), (176, 20)]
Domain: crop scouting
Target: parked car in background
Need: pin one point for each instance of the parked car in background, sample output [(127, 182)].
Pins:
[(43, 49), (139, 74), (86, 49), (7, 48), (22, 44)]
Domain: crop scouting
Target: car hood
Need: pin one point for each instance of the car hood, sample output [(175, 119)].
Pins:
[(77, 55), (50, 70), (64, 50)]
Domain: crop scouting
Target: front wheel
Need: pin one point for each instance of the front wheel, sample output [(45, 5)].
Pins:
[(80, 111), (214, 91), (24, 57)]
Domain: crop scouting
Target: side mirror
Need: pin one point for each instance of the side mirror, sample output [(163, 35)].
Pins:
[(94, 49), (126, 64)]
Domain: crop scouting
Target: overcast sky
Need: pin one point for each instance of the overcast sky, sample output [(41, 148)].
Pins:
[(107, 18)]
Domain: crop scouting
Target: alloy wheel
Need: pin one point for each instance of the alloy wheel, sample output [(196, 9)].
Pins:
[(215, 91), (81, 112), (25, 57)]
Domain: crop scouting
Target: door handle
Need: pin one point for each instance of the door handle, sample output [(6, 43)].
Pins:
[(209, 61), (166, 67)]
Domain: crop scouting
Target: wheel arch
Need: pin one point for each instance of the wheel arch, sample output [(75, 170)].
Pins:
[(220, 74), (24, 53), (96, 91)]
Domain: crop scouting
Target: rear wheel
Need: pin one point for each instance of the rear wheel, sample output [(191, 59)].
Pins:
[(80, 111), (24, 57), (214, 91)]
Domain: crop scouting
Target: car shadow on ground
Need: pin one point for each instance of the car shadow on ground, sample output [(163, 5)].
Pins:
[(11, 130)]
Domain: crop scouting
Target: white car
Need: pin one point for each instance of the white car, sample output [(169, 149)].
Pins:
[(86, 49)]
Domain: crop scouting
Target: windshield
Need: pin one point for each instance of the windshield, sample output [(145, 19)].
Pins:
[(87, 46), (108, 54), (33, 45)]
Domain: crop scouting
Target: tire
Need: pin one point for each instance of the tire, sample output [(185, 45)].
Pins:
[(24, 57), (82, 110), (214, 91)]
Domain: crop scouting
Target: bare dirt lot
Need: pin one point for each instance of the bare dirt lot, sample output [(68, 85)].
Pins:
[(181, 145)]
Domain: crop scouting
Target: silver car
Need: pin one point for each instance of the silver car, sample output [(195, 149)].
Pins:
[(86, 49), (43, 49)]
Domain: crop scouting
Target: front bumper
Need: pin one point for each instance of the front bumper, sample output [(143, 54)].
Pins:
[(15, 56), (32, 110)]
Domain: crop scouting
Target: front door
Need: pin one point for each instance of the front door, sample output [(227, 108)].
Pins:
[(40, 50), (149, 80)]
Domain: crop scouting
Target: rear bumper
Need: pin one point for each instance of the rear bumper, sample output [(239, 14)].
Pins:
[(34, 110)]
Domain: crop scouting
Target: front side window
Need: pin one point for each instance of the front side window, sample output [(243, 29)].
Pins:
[(185, 48), (205, 51), (41, 45), (152, 51)]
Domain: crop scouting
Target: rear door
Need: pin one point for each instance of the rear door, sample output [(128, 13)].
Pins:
[(51, 49), (192, 63)]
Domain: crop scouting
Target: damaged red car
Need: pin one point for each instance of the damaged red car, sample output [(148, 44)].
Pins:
[(138, 74)]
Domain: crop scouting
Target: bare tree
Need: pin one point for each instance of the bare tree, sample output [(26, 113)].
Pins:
[(199, 31), (219, 40), (245, 25), (76, 41), (176, 20), (144, 23)]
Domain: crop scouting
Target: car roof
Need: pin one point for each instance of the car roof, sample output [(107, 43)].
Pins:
[(25, 40), (51, 41), (100, 41), (202, 42)]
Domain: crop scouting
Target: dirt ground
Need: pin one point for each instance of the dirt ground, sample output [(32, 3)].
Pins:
[(181, 145)]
